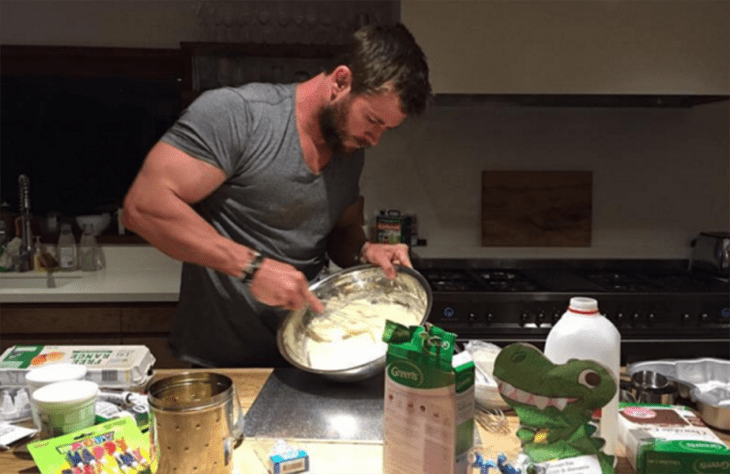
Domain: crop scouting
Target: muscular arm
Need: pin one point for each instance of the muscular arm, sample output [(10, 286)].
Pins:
[(158, 208)]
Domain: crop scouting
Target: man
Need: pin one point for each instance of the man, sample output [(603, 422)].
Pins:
[(253, 187)]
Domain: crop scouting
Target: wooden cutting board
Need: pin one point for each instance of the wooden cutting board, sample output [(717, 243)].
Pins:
[(536, 208)]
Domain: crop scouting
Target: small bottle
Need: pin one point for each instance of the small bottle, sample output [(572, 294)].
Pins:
[(37, 252), (67, 253), (583, 333), (88, 250)]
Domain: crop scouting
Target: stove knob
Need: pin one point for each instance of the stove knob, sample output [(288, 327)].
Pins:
[(524, 318), (704, 318), (635, 319), (556, 317), (619, 318), (490, 318), (540, 318), (685, 318), (472, 317), (651, 319)]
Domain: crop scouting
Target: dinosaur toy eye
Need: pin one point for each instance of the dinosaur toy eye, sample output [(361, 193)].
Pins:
[(589, 378)]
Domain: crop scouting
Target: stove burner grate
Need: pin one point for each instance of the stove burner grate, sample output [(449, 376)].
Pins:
[(482, 280), (622, 282), (451, 280), (506, 280)]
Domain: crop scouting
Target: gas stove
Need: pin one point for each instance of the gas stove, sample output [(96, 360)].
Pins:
[(661, 309)]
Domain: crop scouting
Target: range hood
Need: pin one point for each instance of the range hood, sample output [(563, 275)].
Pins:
[(582, 100)]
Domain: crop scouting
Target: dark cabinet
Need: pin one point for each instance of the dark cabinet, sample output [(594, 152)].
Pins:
[(212, 65), (147, 324)]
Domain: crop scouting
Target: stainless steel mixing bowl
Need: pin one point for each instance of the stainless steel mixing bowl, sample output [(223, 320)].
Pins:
[(366, 289), (705, 380)]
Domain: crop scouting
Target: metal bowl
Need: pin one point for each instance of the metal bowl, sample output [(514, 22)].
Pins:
[(343, 343), (706, 381), (653, 388)]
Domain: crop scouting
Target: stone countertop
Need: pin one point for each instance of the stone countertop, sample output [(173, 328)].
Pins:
[(132, 273)]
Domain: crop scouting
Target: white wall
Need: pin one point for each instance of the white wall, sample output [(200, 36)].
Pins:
[(660, 175), (103, 23), (574, 46)]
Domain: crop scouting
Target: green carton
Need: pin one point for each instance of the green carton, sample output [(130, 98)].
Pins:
[(429, 402), (664, 439)]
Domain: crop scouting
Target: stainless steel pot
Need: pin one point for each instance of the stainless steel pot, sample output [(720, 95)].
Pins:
[(715, 415), (706, 381), (363, 283), (652, 387)]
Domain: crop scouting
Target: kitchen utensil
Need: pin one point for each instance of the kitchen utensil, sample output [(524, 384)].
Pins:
[(706, 381), (343, 342), (195, 420), (652, 387), (98, 222), (711, 253)]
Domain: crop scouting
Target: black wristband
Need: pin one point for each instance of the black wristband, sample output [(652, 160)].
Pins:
[(252, 267)]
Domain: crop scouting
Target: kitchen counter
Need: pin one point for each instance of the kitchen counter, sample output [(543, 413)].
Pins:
[(141, 273), (326, 457), (133, 273)]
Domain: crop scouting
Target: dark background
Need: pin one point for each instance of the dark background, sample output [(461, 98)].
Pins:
[(80, 140)]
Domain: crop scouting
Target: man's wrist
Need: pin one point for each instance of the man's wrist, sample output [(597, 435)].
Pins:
[(252, 266), (361, 253)]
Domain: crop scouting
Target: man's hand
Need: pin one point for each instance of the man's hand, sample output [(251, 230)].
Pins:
[(386, 255), (280, 284)]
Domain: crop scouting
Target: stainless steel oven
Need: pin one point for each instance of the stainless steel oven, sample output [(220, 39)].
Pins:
[(662, 309)]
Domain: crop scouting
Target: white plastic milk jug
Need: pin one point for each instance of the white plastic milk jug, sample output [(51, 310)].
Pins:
[(583, 333)]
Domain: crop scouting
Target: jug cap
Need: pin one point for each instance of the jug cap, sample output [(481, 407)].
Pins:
[(583, 305)]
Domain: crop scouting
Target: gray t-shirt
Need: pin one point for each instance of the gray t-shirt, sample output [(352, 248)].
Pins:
[(270, 201)]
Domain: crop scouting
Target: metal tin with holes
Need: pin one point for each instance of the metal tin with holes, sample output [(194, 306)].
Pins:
[(196, 419)]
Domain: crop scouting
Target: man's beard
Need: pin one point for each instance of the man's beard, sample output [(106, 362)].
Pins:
[(332, 121)]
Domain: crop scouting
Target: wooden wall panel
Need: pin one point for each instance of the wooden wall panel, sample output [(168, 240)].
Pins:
[(536, 208)]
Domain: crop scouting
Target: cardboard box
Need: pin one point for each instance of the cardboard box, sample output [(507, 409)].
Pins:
[(663, 439), (428, 425), (126, 367), (393, 228), (464, 380)]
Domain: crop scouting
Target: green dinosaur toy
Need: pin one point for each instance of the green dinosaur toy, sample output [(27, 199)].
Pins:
[(554, 403)]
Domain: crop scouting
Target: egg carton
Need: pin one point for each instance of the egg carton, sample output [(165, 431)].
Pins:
[(118, 367)]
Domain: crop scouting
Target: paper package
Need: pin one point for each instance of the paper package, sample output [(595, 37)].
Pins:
[(663, 439), (429, 402)]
